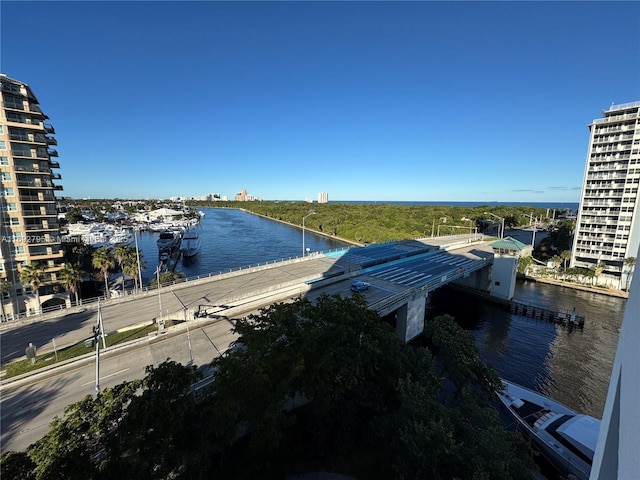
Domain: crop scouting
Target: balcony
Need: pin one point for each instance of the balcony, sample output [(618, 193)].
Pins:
[(34, 184), (56, 176), (37, 198), (21, 168), (39, 138), (49, 128), (22, 153), (51, 141), (44, 212), (58, 187), (13, 105), (52, 153), (19, 137), (54, 164), (40, 227)]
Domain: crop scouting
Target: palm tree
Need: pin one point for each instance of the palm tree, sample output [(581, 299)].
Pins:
[(556, 260), (597, 270), (5, 287), (120, 253), (130, 265), (630, 263), (565, 255), (71, 277), (103, 260), (32, 274)]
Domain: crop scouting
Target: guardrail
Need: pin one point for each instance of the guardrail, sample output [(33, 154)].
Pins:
[(148, 290), (390, 304)]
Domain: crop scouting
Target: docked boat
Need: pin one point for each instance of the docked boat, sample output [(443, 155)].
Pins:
[(121, 236), (168, 240), (567, 439), (190, 244)]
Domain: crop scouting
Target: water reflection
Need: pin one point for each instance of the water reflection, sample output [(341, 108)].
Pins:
[(572, 365)]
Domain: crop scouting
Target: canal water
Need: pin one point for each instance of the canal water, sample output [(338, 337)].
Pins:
[(572, 366)]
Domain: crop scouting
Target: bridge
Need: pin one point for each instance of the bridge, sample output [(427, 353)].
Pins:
[(401, 275)]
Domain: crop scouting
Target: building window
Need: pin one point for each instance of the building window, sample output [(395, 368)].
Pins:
[(11, 207), (7, 192), (1, 129), (22, 150), (3, 145), (18, 250), (6, 176), (4, 160)]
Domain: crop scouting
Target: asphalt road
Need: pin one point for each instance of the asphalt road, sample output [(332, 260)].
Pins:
[(70, 328), (27, 410)]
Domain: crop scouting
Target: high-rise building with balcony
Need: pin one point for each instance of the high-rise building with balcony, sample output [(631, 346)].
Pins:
[(607, 233), (29, 224)]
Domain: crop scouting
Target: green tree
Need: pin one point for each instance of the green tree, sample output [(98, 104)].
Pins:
[(71, 276), (153, 436), (566, 256), (130, 265), (5, 287), (102, 260), (524, 263), (556, 260), (598, 270), (630, 265), (16, 466), (32, 274), (74, 216), (80, 443), (167, 278)]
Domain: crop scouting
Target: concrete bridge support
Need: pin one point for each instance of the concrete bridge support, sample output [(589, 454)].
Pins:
[(477, 280), (410, 317)]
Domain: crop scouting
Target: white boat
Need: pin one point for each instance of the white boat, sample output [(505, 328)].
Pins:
[(167, 240), (190, 244), (567, 439), (121, 236)]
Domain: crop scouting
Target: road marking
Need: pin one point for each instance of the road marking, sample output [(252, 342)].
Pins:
[(106, 376)]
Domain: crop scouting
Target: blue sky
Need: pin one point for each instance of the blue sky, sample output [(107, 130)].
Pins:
[(415, 101)]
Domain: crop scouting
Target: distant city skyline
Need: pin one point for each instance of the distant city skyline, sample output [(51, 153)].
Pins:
[(386, 101)]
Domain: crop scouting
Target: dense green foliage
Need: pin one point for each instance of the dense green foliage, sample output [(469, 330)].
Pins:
[(381, 223), (560, 239), (308, 386)]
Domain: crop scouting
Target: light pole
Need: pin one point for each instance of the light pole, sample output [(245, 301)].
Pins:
[(303, 219), (501, 218), (98, 329), (186, 322), (135, 236), (470, 220), (531, 220), (160, 321)]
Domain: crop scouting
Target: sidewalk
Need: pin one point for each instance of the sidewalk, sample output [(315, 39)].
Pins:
[(612, 292)]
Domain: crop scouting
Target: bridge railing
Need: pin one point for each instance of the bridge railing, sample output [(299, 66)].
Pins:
[(389, 304), (148, 290)]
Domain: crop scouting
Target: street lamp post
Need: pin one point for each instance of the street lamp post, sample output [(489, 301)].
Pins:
[(303, 219), (186, 322), (502, 219), (98, 329), (531, 220), (135, 236), (470, 220)]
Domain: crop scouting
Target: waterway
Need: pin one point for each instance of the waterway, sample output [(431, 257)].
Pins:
[(571, 365)]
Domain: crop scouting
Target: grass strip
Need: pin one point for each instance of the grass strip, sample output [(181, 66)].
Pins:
[(50, 358)]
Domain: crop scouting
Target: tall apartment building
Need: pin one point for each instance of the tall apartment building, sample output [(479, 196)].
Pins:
[(323, 197), (29, 225), (608, 224)]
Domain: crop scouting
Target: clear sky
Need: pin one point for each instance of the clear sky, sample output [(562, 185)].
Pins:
[(415, 101)]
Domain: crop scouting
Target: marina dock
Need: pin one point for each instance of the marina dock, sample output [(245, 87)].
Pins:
[(523, 309)]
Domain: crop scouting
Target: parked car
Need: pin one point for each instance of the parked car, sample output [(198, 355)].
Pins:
[(359, 286)]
